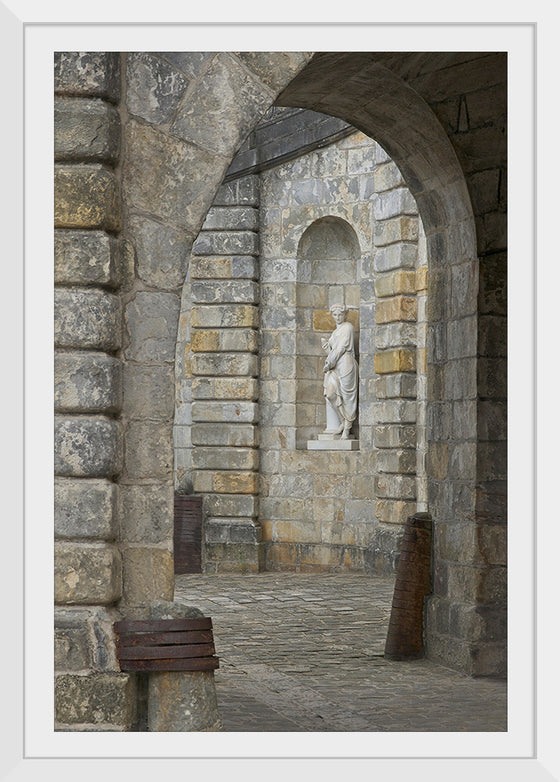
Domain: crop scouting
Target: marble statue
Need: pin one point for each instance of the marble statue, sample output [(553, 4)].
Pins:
[(340, 386)]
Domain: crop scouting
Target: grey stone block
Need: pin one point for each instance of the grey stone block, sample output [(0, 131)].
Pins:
[(219, 458), (85, 509), (162, 252), (146, 513), (394, 436), (87, 73), (210, 364), (86, 130), (154, 87), (274, 68), (394, 203), (180, 194), (396, 461), (148, 392), (87, 382), (87, 318), (219, 119), (148, 450), (232, 218), (151, 320), (105, 701), (232, 412), (87, 447), (85, 258), (226, 243), (400, 385), (225, 292), (87, 574), (226, 434), (231, 505), (72, 641), (192, 64), (244, 191), (395, 256)]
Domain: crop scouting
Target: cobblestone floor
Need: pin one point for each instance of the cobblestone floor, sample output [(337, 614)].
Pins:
[(304, 652)]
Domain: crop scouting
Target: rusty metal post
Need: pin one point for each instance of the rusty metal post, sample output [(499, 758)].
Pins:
[(413, 583)]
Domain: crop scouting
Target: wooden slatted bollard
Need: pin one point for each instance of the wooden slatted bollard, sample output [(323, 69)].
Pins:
[(166, 645)]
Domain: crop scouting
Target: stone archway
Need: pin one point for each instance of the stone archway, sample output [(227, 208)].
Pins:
[(441, 117)]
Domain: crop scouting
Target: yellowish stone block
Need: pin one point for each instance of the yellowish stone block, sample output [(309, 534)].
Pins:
[(204, 341), (422, 279), (402, 281), (397, 308), (400, 360), (232, 482)]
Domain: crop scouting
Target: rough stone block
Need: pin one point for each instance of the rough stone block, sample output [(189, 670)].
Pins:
[(221, 316), (232, 218), (101, 701), (396, 461), (86, 197), (232, 412), (87, 73), (84, 508), (235, 482), (274, 68), (87, 447), (394, 203), (394, 436), (219, 364), (393, 335), (226, 243), (219, 119), (148, 392), (397, 229), (180, 191), (395, 256), (402, 281), (148, 450), (148, 575), (162, 252), (394, 511), (225, 292), (401, 360), (399, 487), (216, 458), (225, 388), (72, 641), (395, 386), (396, 308), (387, 177), (151, 320), (85, 258), (226, 434), (146, 513), (87, 574), (87, 318), (154, 87), (243, 191), (86, 131), (231, 505), (87, 382)]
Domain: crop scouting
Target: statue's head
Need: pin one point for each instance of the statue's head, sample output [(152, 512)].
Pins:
[(339, 313)]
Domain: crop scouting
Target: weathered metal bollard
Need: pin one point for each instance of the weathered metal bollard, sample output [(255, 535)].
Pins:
[(413, 583)]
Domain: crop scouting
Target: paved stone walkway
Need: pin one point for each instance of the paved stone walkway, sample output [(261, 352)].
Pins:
[(303, 652)]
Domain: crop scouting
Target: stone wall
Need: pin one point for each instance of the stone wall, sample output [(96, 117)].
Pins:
[(336, 225), (90, 691), (442, 118)]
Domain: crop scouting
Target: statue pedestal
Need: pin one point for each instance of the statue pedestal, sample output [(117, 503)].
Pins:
[(332, 442)]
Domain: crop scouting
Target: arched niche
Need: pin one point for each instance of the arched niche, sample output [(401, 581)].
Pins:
[(328, 271)]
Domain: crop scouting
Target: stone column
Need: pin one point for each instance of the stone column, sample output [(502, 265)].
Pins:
[(395, 363), (224, 368), (90, 692)]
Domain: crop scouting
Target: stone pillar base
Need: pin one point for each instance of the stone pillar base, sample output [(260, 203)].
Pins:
[(233, 545)]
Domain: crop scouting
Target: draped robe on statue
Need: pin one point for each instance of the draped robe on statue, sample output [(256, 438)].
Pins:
[(341, 378)]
